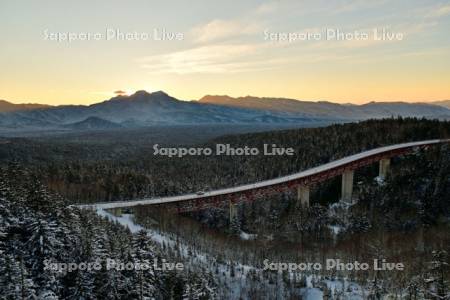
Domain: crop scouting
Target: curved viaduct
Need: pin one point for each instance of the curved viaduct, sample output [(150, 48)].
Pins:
[(300, 181)]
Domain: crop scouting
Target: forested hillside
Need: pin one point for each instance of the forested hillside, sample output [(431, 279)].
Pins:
[(138, 173), (403, 218), (38, 229)]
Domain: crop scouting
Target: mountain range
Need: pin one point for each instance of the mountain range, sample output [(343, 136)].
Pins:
[(6, 106), (325, 109), (143, 109)]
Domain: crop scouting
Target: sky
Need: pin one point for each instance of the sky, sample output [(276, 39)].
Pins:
[(340, 51)]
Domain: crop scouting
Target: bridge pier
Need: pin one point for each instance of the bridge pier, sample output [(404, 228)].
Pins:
[(385, 164), (233, 211), (303, 195), (117, 211), (347, 186), (420, 240)]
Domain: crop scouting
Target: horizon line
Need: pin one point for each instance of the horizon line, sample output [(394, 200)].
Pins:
[(17, 102)]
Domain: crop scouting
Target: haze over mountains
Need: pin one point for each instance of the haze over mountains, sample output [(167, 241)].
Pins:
[(329, 109), (444, 103), (139, 110), (143, 109)]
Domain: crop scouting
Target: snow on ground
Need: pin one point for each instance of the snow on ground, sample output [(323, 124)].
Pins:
[(237, 285), (335, 229), (127, 220), (311, 294), (352, 291), (379, 180), (247, 236)]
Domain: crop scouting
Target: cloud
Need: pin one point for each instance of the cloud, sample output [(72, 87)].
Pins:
[(323, 7), (219, 46), (119, 92), (355, 5), (204, 59), (267, 7), (440, 11), (236, 58), (223, 29)]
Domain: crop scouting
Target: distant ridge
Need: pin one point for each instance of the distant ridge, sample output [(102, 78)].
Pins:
[(93, 123), (444, 103), (144, 109), (330, 109), (6, 106)]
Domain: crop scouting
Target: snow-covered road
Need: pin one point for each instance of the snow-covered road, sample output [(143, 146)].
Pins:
[(267, 183)]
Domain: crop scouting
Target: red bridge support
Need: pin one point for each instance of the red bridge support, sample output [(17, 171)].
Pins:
[(347, 186), (233, 211), (303, 195), (385, 164)]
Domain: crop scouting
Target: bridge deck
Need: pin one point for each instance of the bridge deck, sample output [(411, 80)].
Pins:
[(272, 182)]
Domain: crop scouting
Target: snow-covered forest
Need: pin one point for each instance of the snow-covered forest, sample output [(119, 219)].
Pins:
[(404, 218), (38, 228)]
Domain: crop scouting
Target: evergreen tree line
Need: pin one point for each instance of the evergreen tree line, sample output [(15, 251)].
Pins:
[(38, 228), (141, 174)]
